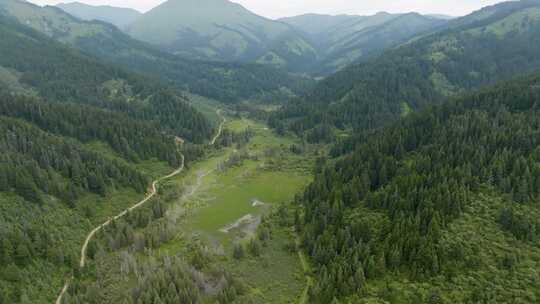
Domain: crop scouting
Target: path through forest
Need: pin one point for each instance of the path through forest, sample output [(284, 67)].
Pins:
[(153, 192)]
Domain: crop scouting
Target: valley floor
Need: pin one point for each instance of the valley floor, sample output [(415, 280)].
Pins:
[(213, 208)]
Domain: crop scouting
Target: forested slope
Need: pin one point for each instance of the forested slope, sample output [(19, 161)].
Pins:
[(79, 140), (441, 207), (225, 31), (227, 82), (60, 74), (493, 44), (346, 39)]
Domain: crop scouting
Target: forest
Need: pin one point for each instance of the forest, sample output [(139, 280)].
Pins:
[(61, 74), (467, 54), (410, 176), (384, 208)]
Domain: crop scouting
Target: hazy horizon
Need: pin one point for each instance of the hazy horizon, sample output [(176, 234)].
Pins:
[(330, 7)]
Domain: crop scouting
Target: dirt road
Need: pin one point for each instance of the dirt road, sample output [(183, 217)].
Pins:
[(150, 195)]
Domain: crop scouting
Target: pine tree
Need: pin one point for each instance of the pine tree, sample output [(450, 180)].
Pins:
[(238, 251), (255, 247), (27, 189), (4, 186)]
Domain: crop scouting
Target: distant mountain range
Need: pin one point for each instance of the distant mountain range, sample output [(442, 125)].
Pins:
[(120, 17), (228, 82), (342, 40), (490, 45), (222, 30), (225, 31)]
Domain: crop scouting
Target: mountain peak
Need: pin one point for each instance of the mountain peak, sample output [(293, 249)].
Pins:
[(121, 17)]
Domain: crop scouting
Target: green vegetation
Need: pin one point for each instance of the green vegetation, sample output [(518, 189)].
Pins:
[(344, 39), (441, 206), (121, 17), (276, 275), (445, 63), (79, 146), (200, 229), (227, 82), (428, 194), (222, 30), (61, 74)]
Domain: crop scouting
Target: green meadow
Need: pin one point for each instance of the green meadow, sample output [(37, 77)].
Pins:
[(223, 207)]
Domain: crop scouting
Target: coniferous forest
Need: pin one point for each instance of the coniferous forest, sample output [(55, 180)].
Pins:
[(387, 208), (163, 171)]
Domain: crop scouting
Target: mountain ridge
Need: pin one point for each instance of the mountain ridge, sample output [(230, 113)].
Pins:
[(489, 45), (222, 30), (118, 16), (228, 82)]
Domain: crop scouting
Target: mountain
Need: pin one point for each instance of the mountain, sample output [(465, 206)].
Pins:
[(490, 45), (227, 82), (343, 39), (120, 17), (445, 200), (315, 24), (222, 30), (40, 66), (77, 139), (443, 17)]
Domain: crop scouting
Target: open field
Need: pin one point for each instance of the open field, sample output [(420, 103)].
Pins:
[(223, 197), (223, 207)]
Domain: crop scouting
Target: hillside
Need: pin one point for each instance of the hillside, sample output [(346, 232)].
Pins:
[(441, 207), (226, 82), (493, 44), (80, 139), (344, 39), (222, 30), (43, 67), (120, 17)]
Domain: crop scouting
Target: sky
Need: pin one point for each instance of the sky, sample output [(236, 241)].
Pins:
[(283, 8)]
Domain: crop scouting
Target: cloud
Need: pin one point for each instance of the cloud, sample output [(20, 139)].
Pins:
[(282, 8)]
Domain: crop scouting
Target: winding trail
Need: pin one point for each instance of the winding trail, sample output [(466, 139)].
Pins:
[(90, 236), (153, 192), (220, 129)]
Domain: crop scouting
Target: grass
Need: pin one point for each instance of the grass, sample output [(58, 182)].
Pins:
[(405, 109), (276, 276), (207, 107), (234, 194), (516, 22), (223, 197), (241, 124)]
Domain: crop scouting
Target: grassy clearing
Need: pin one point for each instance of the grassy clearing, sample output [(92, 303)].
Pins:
[(274, 277), (218, 199), (207, 107), (224, 197), (234, 194)]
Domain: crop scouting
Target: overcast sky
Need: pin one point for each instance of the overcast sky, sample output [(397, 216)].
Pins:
[(283, 8)]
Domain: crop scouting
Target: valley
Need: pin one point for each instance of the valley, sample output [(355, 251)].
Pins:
[(233, 197), (199, 152)]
